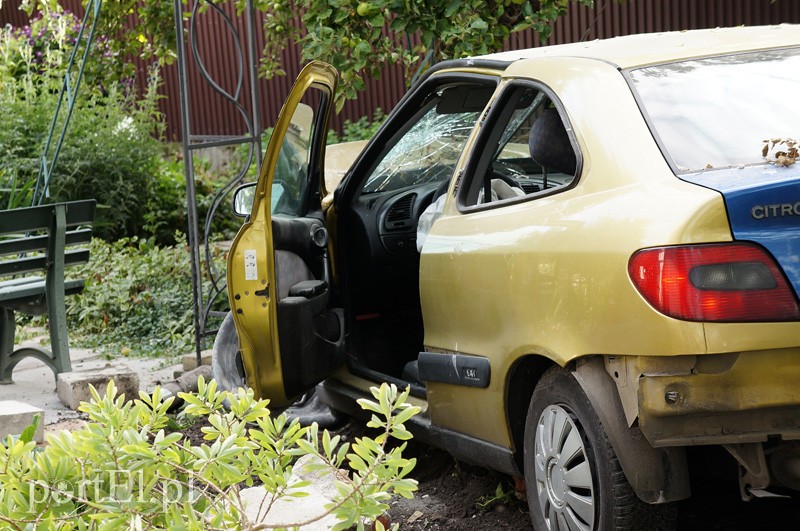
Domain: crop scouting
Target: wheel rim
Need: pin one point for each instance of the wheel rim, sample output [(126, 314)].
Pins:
[(564, 484)]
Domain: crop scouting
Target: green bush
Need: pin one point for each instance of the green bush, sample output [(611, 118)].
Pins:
[(110, 152), (165, 212), (137, 299), (124, 471)]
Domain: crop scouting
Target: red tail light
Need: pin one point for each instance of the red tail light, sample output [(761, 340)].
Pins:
[(734, 282)]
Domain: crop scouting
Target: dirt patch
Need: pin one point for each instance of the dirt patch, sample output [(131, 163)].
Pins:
[(69, 424), (452, 495), (458, 497)]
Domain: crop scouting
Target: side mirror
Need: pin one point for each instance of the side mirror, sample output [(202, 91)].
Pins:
[(243, 199)]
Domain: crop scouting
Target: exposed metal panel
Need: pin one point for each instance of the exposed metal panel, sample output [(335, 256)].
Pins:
[(608, 18)]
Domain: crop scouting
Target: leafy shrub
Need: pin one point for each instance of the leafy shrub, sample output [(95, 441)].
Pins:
[(138, 298), (165, 212), (124, 470), (109, 153)]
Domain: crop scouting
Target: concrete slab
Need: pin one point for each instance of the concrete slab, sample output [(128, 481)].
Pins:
[(190, 360), (35, 384), (15, 416), (292, 511), (75, 387)]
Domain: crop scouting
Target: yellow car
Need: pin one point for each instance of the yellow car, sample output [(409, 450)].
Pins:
[(582, 259)]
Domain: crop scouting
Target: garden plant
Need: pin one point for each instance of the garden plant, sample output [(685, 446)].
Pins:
[(127, 470)]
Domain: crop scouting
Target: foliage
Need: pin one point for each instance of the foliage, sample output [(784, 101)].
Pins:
[(146, 29), (358, 37), (137, 299), (110, 153), (164, 213), (499, 497), (124, 471), (43, 48), (782, 150)]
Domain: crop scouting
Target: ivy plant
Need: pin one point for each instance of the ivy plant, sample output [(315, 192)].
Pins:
[(359, 37), (124, 470)]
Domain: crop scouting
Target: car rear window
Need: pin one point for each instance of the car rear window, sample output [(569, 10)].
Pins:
[(721, 111)]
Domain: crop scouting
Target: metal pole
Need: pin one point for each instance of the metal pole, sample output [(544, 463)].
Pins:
[(254, 94), (191, 203)]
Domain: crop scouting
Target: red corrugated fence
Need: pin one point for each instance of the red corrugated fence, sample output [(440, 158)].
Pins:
[(212, 115)]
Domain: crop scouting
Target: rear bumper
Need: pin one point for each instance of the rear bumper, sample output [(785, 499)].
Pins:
[(722, 399)]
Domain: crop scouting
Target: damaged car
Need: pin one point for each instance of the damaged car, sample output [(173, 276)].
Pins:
[(583, 259)]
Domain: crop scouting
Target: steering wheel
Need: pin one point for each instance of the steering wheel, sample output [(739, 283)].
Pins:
[(508, 174)]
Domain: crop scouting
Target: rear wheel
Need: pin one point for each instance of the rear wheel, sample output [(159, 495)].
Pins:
[(573, 477), (226, 361)]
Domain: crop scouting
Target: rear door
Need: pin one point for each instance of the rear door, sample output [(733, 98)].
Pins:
[(278, 266)]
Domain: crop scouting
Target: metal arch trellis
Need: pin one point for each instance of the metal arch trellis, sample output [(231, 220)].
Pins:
[(245, 62), (69, 91)]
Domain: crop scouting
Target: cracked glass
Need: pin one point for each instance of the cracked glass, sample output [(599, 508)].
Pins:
[(428, 152)]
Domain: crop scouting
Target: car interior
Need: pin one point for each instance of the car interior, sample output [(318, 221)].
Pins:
[(527, 152)]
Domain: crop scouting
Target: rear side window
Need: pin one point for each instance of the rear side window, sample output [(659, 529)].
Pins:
[(524, 150), (721, 112)]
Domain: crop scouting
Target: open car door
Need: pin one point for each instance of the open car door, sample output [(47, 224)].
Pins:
[(278, 267)]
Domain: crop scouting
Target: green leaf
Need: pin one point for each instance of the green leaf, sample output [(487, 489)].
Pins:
[(479, 24), (29, 432), (452, 7), (377, 20)]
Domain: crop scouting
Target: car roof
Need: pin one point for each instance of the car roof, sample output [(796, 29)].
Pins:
[(653, 48)]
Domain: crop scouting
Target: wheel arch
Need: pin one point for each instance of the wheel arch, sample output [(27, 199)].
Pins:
[(657, 475), (522, 379)]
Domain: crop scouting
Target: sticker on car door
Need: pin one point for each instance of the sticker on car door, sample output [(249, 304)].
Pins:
[(250, 265)]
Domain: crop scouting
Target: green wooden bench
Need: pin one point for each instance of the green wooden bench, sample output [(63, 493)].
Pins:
[(33, 258)]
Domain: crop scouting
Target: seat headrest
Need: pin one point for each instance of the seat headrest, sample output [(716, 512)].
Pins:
[(549, 143)]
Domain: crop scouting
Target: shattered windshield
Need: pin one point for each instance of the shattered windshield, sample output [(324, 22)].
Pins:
[(724, 111), (428, 152)]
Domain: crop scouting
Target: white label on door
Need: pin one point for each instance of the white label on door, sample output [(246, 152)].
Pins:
[(250, 265)]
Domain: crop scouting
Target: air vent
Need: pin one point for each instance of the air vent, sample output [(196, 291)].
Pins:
[(399, 214)]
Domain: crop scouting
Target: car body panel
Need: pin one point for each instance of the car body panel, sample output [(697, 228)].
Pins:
[(650, 48), (726, 403), (763, 203)]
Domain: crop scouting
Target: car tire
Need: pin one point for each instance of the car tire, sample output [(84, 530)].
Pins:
[(226, 365), (586, 489)]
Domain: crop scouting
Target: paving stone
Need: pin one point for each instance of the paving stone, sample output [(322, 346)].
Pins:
[(72, 388), (293, 510), (190, 360), (16, 416)]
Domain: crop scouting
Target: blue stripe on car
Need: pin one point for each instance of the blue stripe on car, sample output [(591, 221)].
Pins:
[(763, 204)]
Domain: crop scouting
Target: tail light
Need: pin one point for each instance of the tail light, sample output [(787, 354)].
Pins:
[(731, 282)]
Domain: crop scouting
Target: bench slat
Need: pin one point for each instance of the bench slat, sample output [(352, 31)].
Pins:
[(35, 240), (40, 217), (30, 264), (33, 290), (39, 243)]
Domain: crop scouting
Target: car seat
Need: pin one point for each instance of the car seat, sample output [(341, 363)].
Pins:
[(550, 145)]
